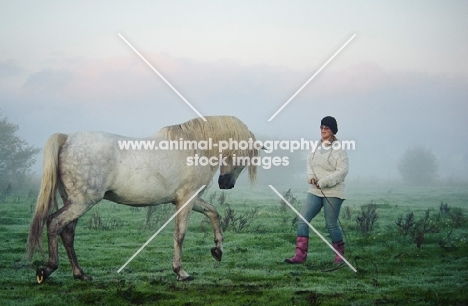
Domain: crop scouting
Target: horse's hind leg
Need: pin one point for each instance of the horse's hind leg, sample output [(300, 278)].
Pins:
[(68, 237), (210, 211), (56, 222)]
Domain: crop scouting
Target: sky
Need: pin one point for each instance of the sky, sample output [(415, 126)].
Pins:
[(401, 82)]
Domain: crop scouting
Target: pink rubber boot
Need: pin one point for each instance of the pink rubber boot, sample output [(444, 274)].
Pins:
[(339, 246), (302, 246)]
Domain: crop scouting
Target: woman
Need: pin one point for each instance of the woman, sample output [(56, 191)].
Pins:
[(327, 167)]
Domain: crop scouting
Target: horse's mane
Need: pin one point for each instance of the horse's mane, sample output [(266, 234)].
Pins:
[(218, 128)]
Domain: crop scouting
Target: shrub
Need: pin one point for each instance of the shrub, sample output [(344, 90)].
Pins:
[(417, 229), (222, 198), (457, 216), (426, 224), (227, 219), (212, 197), (288, 196), (96, 222), (134, 209), (367, 218), (447, 243), (444, 208), (294, 222), (239, 223), (347, 213), (157, 215), (406, 224)]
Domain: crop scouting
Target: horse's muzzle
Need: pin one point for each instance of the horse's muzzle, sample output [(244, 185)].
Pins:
[(226, 181)]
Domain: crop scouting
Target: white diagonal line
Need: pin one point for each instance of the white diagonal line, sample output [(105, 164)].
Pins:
[(321, 68), (162, 227), (313, 228), (162, 77)]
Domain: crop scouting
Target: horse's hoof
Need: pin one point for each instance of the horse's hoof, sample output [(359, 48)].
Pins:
[(40, 275), (185, 279), (217, 253)]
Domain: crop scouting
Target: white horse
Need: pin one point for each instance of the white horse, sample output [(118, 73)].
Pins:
[(90, 166)]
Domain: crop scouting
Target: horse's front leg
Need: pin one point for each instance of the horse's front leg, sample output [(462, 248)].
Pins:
[(210, 211), (181, 221)]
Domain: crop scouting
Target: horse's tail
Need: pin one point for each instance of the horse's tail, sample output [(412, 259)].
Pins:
[(46, 201)]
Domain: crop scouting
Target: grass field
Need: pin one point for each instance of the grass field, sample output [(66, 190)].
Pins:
[(392, 269)]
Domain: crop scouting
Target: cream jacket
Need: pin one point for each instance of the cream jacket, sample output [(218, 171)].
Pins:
[(329, 167)]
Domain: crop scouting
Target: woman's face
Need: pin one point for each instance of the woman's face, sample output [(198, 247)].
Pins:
[(326, 133)]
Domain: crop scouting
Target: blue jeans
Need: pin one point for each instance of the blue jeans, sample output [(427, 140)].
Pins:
[(312, 206)]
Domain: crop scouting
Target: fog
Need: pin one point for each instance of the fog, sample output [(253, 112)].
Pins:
[(403, 81)]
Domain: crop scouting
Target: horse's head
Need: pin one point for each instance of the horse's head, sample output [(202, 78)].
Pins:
[(228, 175), (235, 164)]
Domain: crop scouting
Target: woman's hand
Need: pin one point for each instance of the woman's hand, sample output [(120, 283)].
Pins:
[(315, 183)]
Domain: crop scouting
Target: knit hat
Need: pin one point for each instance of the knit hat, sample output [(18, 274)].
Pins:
[(331, 123)]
